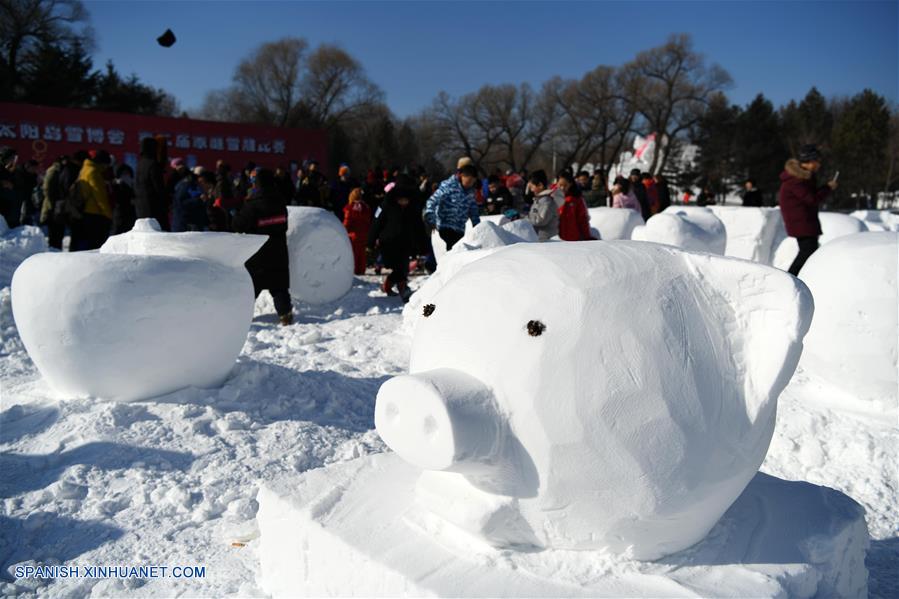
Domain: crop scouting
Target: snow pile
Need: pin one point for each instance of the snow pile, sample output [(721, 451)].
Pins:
[(508, 410), (353, 529), (852, 342), (750, 231), (878, 220), (521, 228), (833, 226), (321, 257), (690, 228), (15, 246), (137, 319), (615, 223), (439, 246)]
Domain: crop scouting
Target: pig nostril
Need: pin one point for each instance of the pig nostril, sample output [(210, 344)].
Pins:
[(392, 412), (430, 426)]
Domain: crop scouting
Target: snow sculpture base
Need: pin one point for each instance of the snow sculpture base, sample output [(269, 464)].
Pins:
[(354, 529), (751, 232)]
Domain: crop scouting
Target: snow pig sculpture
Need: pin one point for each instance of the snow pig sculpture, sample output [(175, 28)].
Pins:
[(614, 395)]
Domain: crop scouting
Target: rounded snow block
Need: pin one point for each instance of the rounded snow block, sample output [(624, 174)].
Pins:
[(852, 341), (615, 223), (475, 236), (321, 257), (833, 226), (15, 246), (626, 392), (127, 327), (692, 228), (751, 231)]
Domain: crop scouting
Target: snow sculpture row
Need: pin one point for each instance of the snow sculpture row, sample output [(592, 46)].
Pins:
[(149, 313)]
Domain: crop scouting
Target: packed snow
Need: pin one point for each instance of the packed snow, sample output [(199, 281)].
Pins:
[(833, 226), (853, 280), (321, 257), (615, 223), (176, 479), (16, 245), (687, 227), (751, 232)]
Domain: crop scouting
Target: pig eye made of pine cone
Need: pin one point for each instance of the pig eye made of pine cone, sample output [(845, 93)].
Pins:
[(535, 328), (428, 310)]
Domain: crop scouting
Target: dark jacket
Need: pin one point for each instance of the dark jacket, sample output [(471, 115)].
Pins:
[(188, 207), (266, 215), (398, 230), (150, 200), (123, 214), (664, 195), (799, 199), (640, 191), (752, 198), (498, 201)]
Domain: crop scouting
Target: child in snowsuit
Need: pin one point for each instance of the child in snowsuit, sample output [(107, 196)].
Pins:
[(357, 220)]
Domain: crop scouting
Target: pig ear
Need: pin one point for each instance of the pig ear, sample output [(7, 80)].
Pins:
[(767, 312)]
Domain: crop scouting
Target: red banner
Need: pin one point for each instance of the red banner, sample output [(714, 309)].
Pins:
[(42, 133)]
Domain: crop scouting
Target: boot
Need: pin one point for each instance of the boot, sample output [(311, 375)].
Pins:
[(387, 287), (405, 292), (286, 319)]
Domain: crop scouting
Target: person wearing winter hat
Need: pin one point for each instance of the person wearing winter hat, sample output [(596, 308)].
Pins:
[(640, 191), (150, 199), (340, 190), (453, 204), (799, 198), (544, 214)]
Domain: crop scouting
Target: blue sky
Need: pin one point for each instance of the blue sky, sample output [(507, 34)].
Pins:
[(414, 49)]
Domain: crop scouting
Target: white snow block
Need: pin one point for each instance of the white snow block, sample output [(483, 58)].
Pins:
[(15, 246), (493, 231), (878, 220), (613, 395), (321, 257), (355, 529), (833, 226), (852, 342), (686, 227), (750, 231), (139, 318), (615, 223)]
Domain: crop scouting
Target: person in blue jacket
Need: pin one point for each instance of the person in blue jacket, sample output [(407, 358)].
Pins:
[(450, 207)]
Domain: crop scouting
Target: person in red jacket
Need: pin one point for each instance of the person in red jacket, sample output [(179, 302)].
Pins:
[(574, 221), (799, 199), (357, 220)]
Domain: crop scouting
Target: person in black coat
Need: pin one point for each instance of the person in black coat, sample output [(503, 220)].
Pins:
[(640, 191), (399, 233), (265, 213), (664, 191), (752, 196), (149, 189)]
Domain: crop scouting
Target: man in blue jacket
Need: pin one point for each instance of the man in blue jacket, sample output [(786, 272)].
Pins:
[(453, 204)]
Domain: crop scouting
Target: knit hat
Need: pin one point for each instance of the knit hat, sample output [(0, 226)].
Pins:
[(463, 161), (176, 162), (809, 153), (199, 170), (343, 170)]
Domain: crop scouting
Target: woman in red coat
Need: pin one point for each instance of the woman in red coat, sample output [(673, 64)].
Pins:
[(357, 220), (574, 221), (799, 199)]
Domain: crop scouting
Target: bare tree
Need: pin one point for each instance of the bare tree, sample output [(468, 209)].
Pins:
[(27, 23), (673, 85), (597, 113), (335, 87), (267, 83)]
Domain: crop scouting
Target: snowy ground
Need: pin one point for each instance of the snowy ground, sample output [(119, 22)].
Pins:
[(172, 481)]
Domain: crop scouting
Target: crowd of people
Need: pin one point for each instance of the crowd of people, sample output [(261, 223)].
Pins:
[(389, 214)]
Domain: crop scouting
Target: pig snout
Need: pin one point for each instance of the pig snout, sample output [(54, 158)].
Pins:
[(440, 420)]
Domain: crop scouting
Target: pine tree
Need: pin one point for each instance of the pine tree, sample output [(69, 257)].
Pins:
[(860, 141), (760, 149)]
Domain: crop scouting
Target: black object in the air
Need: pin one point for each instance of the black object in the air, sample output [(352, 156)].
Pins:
[(167, 39)]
